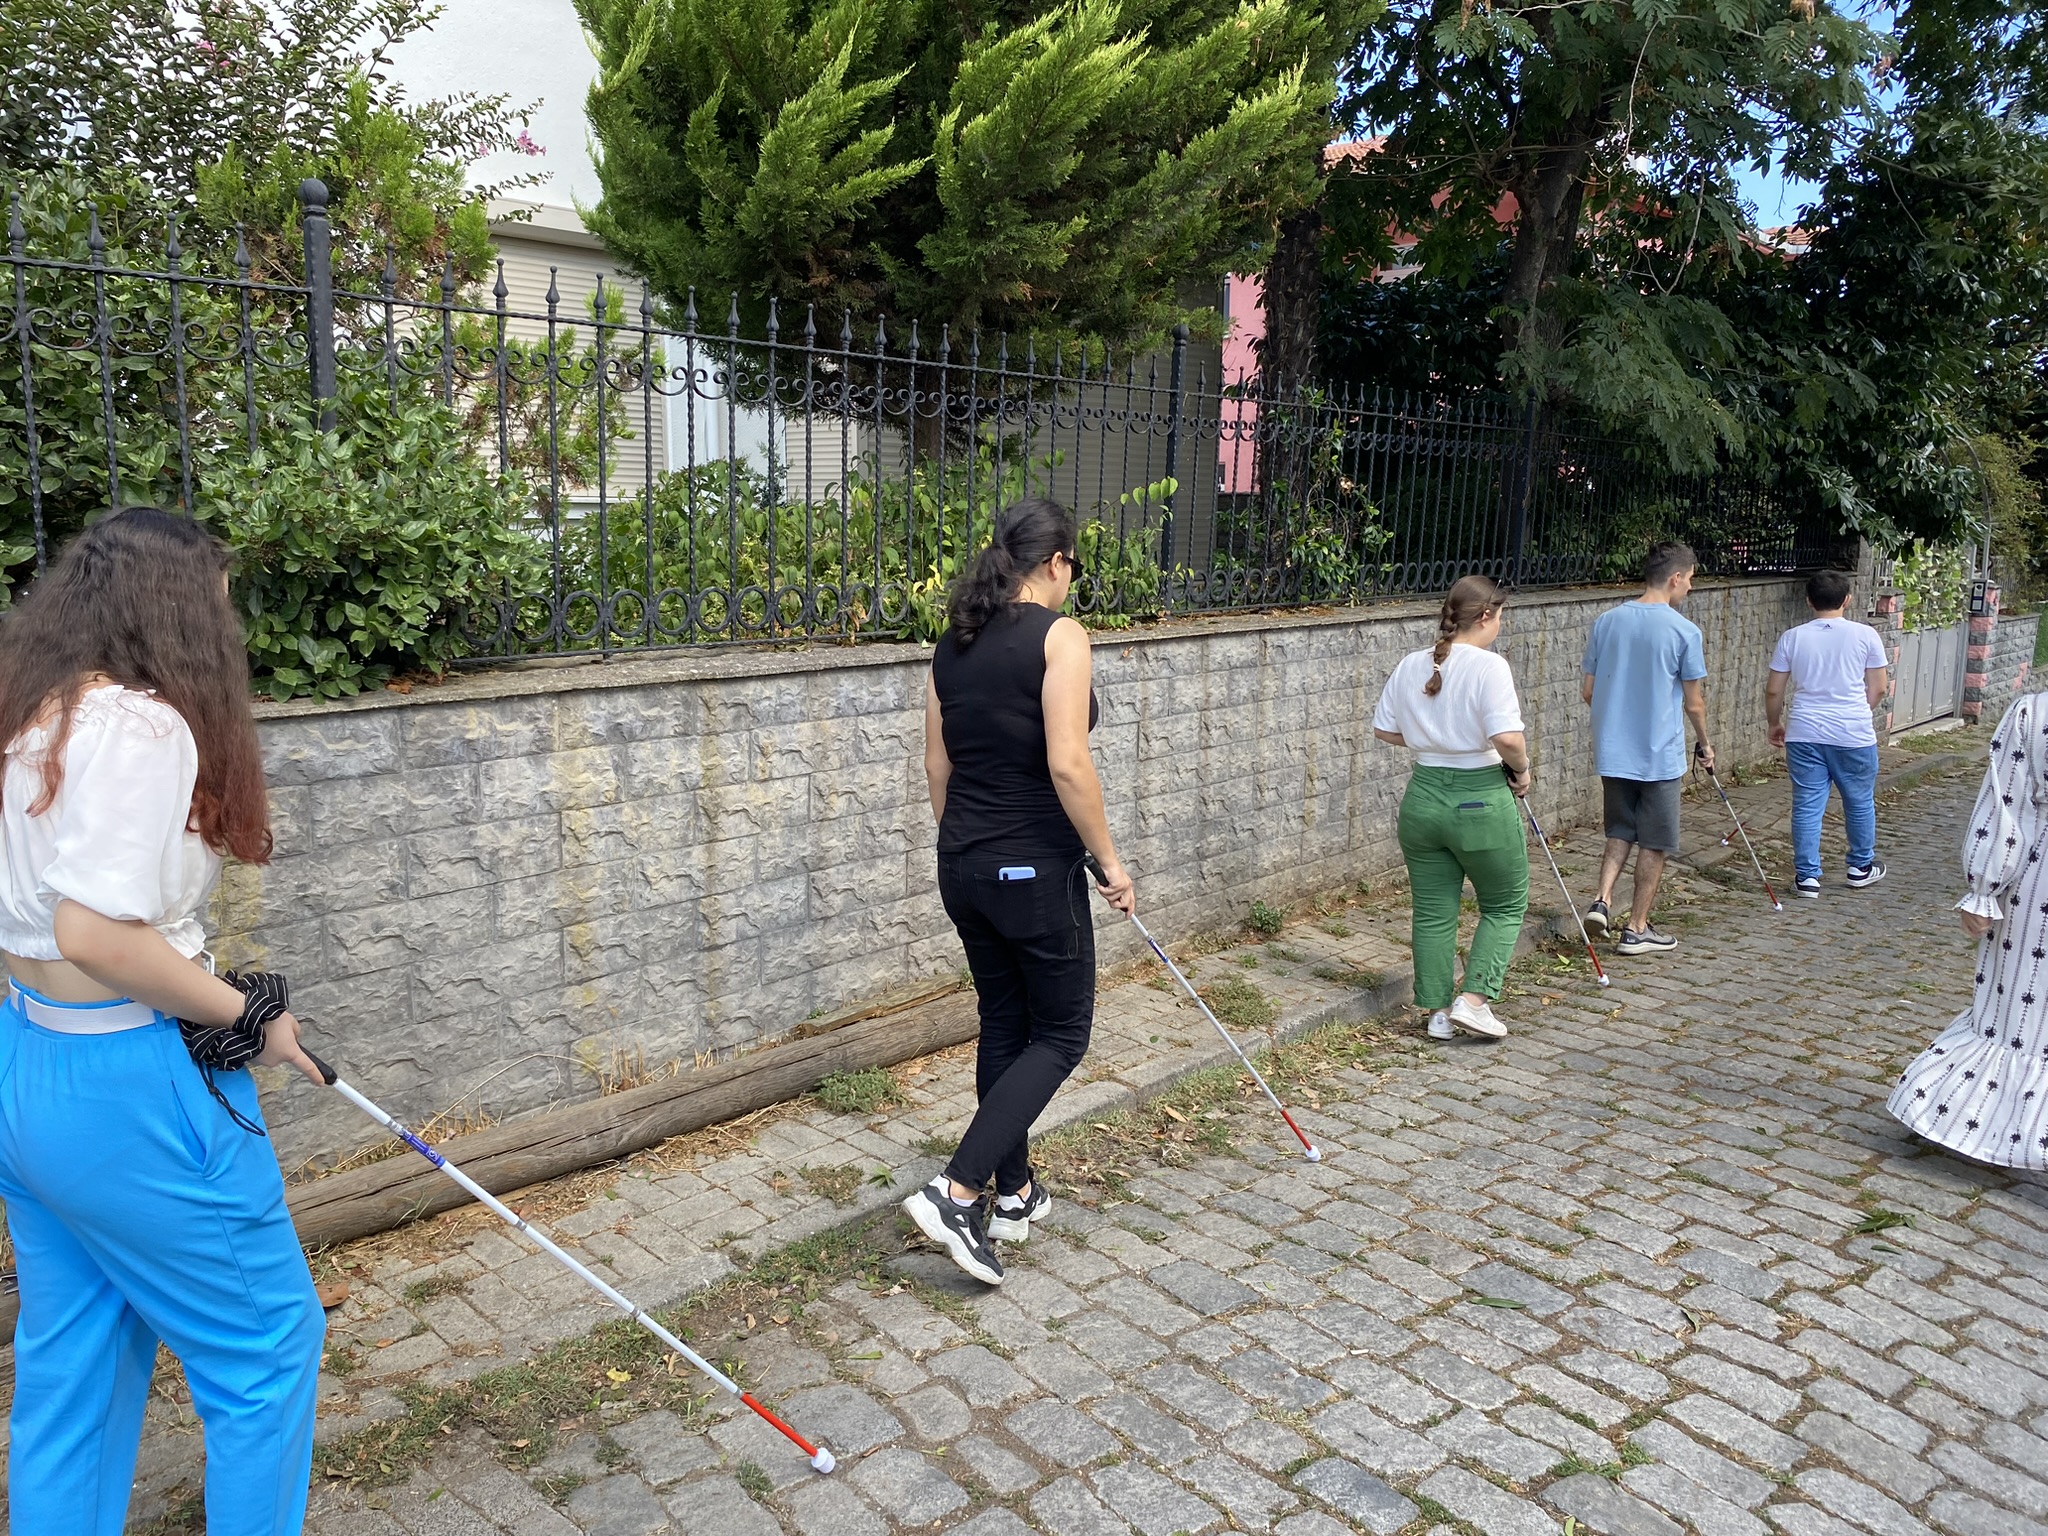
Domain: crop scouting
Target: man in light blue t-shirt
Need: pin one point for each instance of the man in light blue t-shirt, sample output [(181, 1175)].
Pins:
[(1645, 674)]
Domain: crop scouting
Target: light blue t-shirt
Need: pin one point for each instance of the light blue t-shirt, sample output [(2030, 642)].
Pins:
[(1639, 656)]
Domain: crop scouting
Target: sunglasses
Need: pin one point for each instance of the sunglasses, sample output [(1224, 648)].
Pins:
[(1074, 566)]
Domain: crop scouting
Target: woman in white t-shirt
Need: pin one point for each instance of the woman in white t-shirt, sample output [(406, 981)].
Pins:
[(1454, 707), (143, 1200)]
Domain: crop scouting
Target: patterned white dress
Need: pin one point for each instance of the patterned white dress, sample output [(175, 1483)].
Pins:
[(1981, 1089)]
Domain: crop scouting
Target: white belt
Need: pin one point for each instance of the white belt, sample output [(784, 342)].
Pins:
[(81, 1018)]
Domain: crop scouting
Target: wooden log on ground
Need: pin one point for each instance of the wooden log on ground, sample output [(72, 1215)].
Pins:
[(505, 1157)]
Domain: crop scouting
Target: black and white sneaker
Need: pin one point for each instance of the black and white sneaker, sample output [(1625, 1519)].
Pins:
[(1807, 885), (1859, 878), (1647, 941), (1596, 919), (1012, 1224), (955, 1228)]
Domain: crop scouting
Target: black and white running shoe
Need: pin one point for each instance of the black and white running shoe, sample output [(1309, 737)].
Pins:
[(1807, 885), (955, 1228), (1646, 942), (1013, 1225), (1859, 878), (1596, 918)]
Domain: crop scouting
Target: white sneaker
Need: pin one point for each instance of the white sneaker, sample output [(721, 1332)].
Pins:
[(1440, 1026), (1477, 1020), (1014, 1225)]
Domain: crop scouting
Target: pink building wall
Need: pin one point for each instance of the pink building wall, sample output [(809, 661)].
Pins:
[(1244, 307)]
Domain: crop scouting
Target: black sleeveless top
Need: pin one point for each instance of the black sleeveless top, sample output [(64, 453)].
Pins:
[(1000, 798)]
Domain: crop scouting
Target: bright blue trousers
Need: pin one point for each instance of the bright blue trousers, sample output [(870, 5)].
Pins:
[(140, 1211), (1814, 769)]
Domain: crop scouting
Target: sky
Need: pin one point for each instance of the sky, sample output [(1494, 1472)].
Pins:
[(1778, 198)]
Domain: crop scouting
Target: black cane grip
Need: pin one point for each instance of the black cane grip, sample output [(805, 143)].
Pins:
[(1095, 868), (327, 1074)]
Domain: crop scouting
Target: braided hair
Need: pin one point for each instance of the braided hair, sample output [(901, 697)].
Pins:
[(1471, 600)]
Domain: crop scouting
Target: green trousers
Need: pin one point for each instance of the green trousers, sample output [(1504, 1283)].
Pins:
[(1459, 824)]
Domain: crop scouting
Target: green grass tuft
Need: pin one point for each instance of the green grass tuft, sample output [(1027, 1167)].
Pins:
[(839, 1185), (858, 1093), (1239, 1004), (436, 1285)]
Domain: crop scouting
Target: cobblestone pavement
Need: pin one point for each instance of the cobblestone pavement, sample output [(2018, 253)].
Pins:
[(1658, 1261)]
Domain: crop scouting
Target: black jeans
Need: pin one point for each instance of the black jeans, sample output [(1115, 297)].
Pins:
[(1031, 947)]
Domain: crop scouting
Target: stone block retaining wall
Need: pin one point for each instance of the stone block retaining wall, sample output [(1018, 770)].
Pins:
[(485, 889), (2009, 659)]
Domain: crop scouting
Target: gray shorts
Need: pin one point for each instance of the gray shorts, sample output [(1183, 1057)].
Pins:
[(1643, 812)]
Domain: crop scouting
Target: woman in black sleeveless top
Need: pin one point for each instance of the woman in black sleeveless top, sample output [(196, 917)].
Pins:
[(1007, 716)]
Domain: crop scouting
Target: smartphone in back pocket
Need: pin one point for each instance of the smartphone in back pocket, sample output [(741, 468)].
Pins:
[(1014, 872)]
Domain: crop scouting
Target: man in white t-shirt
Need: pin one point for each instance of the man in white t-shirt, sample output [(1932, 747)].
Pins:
[(1837, 669)]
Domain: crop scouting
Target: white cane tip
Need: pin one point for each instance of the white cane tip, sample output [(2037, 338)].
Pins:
[(1777, 906), (1603, 981), (823, 1461), (1315, 1154)]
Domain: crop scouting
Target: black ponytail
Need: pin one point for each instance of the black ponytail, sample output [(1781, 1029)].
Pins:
[(1028, 533)]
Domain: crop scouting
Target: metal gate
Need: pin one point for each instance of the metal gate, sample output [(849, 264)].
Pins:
[(1929, 675)]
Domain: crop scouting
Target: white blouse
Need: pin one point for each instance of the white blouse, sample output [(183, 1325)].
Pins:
[(116, 838), (1454, 727)]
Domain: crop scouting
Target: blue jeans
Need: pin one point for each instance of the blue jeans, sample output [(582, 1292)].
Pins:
[(1852, 770), (141, 1212)]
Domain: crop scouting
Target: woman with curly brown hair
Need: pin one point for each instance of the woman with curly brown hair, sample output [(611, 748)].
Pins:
[(141, 1205)]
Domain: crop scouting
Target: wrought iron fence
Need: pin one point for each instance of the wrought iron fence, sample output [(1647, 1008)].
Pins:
[(680, 482)]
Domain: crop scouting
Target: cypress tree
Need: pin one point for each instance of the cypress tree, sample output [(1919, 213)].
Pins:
[(1073, 171)]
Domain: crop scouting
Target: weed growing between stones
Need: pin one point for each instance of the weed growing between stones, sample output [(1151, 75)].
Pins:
[(1265, 921), (1239, 1004), (1361, 977), (186, 1515), (426, 1290), (859, 1093), (839, 1185)]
